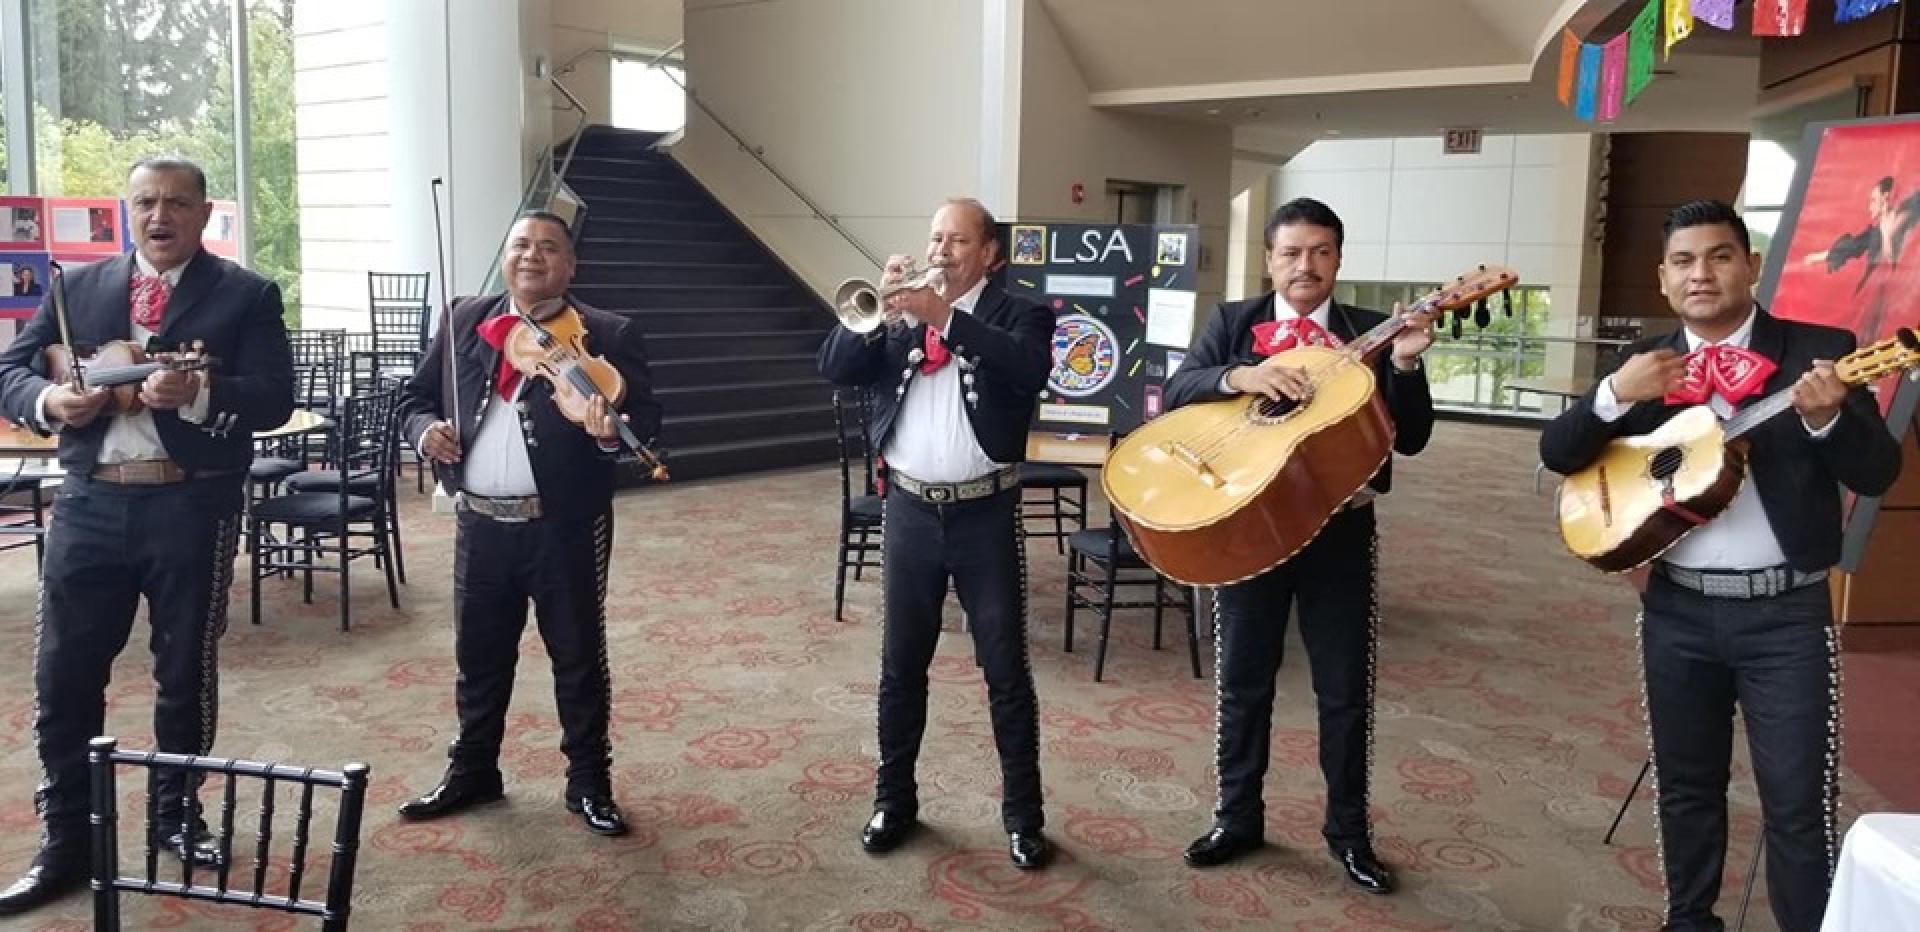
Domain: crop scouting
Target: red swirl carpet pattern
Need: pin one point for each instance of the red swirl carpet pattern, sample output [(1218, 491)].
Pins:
[(1509, 729)]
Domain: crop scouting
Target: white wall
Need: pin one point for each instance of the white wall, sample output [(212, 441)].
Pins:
[(1413, 214), (344, 156), (1063, 140), (383, 109), (870, 107)]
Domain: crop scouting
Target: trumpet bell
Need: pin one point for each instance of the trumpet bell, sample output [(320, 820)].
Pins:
[(857, 303)]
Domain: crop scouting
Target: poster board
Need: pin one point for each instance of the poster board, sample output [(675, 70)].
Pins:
[(1123, 297), (84, 229), (1847, 254)]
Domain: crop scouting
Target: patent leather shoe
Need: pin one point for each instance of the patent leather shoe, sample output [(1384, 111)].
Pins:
[(456, 793), (1365, 870), (1220, 845), (48, 879), (1029, 851), (885, 831), (600, 813), (201, 850)]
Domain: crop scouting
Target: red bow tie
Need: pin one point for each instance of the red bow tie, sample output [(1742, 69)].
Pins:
[(1278, 336), (1728, 371), (937, 353), (148, 295), (494, 330)]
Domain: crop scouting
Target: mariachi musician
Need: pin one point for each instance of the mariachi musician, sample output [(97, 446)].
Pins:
[(1332, 578), (534, 496), (150, 505), (953, 396)]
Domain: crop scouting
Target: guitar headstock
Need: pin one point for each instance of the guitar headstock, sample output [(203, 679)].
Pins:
[(1461, 293), (1894, 354), (1466, 296)]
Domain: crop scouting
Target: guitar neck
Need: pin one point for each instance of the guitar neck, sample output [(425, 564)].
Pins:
[(1761, 411), (1366, 344)]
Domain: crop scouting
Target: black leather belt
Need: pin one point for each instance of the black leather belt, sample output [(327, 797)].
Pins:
[(509, 508), (1740, 584), (947, 493)]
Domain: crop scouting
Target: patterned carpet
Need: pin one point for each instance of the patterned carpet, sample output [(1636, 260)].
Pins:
[(1510, 727)]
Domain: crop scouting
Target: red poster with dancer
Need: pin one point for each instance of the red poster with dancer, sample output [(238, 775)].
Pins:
[(1848, 253)]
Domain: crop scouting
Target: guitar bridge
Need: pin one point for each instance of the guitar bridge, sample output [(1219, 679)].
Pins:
[(1195, 462)]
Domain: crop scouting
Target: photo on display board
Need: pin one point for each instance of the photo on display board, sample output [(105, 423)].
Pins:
[(23, 280), (100, 225), (1173, 249), (25, 227), (1029, 245)]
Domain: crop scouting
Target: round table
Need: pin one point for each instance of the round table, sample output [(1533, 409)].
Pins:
[(19, 441)]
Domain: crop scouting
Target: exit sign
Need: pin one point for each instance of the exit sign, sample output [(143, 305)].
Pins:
[(1462, 142)]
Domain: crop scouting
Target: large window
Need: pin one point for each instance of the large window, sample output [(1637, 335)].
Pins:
[(1471, 372), (1773, 157), (649, 98), (115, 81)]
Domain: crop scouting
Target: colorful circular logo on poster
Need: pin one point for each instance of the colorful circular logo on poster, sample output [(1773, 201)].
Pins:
[(1086, 356)]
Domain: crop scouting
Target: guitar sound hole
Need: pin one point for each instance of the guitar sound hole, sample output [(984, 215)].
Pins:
[(1666, 463), (1270, 410)]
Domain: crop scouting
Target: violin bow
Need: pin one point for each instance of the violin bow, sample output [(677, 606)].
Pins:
[(452, 375), (57, 294)]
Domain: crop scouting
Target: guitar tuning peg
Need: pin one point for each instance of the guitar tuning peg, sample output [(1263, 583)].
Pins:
[(1481, 316), (1455, 329)]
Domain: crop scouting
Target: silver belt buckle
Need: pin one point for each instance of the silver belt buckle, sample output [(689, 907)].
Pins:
[(1726, 585)]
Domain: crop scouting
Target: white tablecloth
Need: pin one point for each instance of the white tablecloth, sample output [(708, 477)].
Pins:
[(1877, 886)]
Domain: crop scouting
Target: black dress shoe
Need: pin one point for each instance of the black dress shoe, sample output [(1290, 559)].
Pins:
[(885, 831), (47, 880), (1365, 870), (1029, 851), (202, 850), (1220, 845), (456, 793), (601, 814)]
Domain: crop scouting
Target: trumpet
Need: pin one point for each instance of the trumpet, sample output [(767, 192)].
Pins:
[(862, 305)]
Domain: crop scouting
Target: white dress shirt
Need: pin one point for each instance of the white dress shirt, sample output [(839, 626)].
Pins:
[(1740, 538), (132, 436), (932, 439), (497, 466)]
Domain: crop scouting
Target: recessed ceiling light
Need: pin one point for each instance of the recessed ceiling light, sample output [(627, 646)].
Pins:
[(1333, 132), (1213, 111)]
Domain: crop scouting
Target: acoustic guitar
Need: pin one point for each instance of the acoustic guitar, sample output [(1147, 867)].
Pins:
[(1220, 491), (1644, 493)]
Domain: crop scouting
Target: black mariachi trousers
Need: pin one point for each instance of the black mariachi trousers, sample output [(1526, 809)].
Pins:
[(1777, 658), (561, 566), (1332, 580), (107, 546), (976, 544)]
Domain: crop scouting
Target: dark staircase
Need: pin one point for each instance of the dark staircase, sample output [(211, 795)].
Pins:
[(731, 332)]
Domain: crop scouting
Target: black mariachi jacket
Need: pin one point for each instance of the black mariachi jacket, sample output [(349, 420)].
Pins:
[(233, 311), (1227, 341), (1006, 343), (1798, 477), (575, 477)]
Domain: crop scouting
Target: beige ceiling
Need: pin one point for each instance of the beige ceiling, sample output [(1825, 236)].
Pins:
[(1289, 71)]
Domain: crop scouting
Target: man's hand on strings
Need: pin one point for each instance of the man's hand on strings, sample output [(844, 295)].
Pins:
[(1273, 380)]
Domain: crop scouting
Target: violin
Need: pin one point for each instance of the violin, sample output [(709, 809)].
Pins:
[(555, 349), (120, 366)]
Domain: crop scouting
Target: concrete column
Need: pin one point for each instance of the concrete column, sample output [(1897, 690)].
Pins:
[(457, 102)]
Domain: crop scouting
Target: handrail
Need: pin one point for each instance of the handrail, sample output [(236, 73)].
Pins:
[(759, 155), (552, 180)]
